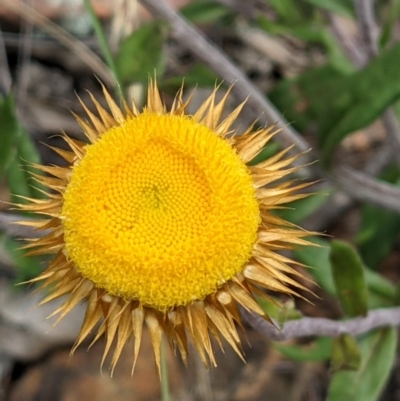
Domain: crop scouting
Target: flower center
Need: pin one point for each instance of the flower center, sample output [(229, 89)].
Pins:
[(160, 209)]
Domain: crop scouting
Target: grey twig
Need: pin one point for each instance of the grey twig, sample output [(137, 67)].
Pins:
[(309, 326), (262, 109), (365, 188), (8, 225), (391, 124), (368, 29), (349, 46), (380, 160), (5, 74), (340, 202)]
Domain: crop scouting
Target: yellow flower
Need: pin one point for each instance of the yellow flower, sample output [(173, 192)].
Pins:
[(158, 220)]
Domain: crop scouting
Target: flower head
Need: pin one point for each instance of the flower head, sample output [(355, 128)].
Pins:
[(158, 220)]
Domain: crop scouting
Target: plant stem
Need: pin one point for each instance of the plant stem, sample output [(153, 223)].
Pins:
[(165, 396), (105, 49)]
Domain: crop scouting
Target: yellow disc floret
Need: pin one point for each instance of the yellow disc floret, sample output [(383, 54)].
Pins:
[(160, 209)]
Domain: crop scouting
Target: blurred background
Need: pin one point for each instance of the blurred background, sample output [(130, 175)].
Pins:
[(331, 70)]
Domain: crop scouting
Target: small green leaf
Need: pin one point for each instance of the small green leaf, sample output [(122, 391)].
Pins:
[(268, 151), (9, 132), (396, 299), (392, 16), (336, 57), (300, 209), (280, 312), (204, 11), (337, 103), (287, 10), (26, 267), (341, 7), (381, 292), (317, 351), (348, 275), (18, 181), (318, 259), (269, 26), (378, 230), (198, 75), (345, 354), (370, 92), (28, 154), (272, 309), (17, 152), (140, 54), (378, 351), (312, 97)]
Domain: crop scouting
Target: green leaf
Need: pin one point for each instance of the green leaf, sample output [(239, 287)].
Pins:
[(397, 295), (378, 351), (393, 14), (381, 292), (17, 152), (341, 7), (18, 181), (318, 259), (268, 151), (9, 132), (280, 312), (336, 57), (378, 232), (318, 350), (338, 103), (198, 75), (348, 275), (287, 10), (309, 98), (300, 209), (271, 27), (345, 354), (370, 92), (28, 154), (140, 54), (204, 11), (26, 267)]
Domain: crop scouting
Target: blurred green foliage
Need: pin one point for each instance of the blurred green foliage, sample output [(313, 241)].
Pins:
[(17, 153), (345, 354), (140, 54), (340, 103), (348, 276), (377, 352)]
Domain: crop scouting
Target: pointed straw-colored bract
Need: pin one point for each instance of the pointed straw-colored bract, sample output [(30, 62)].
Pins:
[(157, 220)]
